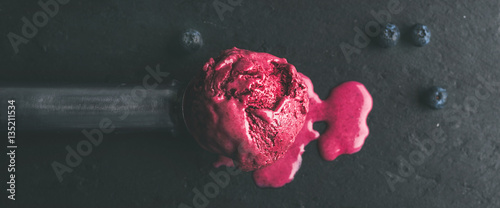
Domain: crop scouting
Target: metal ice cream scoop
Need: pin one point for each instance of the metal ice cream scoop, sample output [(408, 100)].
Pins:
[(126, 107)]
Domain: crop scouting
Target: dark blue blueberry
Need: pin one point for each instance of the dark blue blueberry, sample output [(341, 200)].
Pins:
[(420, 35), (389, 35), (191, 40), (436, 97)]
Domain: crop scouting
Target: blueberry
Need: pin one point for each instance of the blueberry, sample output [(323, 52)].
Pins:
[(420, 35), (435, 97), (191, 40), (389, 35)]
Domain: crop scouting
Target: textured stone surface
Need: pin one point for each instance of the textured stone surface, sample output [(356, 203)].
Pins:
[(112, 41)]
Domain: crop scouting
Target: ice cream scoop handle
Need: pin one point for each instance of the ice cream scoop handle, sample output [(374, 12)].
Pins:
[(86, 108)]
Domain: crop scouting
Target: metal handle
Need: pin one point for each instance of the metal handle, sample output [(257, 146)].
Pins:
[(77, 108)]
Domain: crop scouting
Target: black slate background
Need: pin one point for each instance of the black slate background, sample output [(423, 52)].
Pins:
[(112, 41)]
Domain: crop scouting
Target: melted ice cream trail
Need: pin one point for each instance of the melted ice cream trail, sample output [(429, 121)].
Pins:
[(344, 111)]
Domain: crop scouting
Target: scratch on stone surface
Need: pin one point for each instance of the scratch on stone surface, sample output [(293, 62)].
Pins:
[(213, 24)]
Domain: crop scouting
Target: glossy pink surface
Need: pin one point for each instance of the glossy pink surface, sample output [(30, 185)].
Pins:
[(345, 111), (247, 106)]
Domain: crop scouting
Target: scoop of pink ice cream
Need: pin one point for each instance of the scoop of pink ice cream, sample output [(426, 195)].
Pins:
[(247, 106)]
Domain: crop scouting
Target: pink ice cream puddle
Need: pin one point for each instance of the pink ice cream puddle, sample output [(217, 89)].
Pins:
[(345, 112)]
